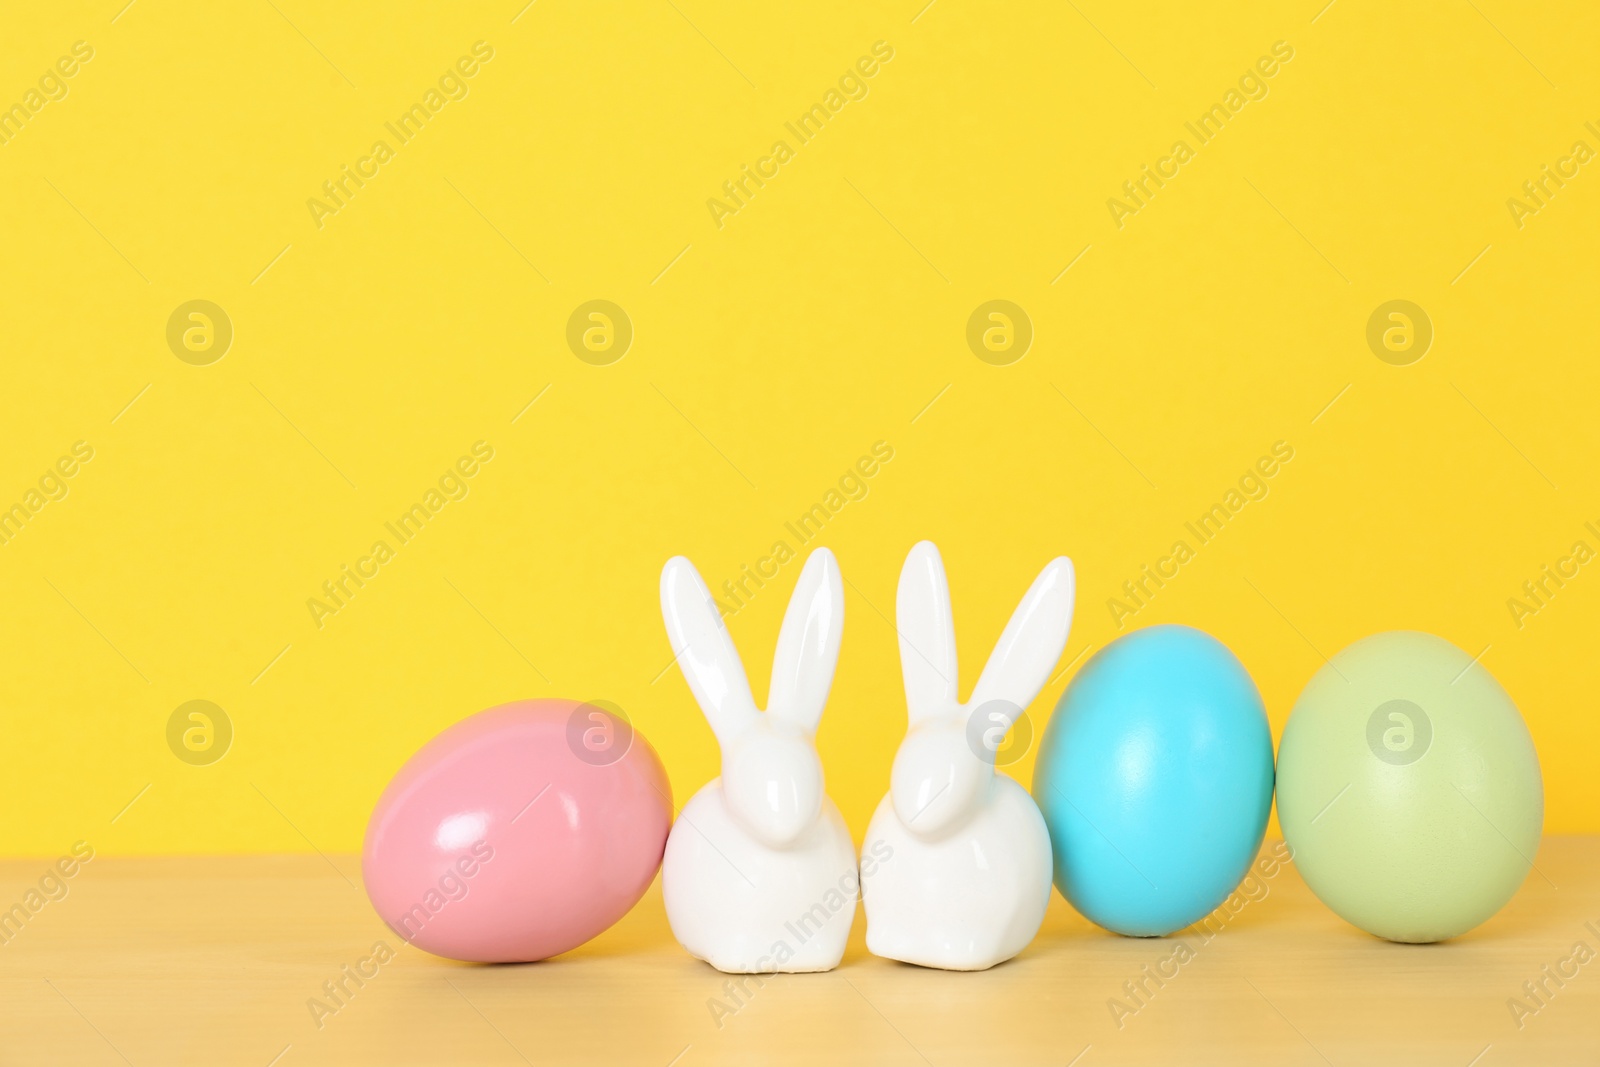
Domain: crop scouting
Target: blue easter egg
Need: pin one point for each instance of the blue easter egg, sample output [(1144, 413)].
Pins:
[(1155, 778)]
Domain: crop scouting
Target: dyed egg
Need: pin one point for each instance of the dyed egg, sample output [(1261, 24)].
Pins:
[(1155, 779), (518, 833), (1409, 788)]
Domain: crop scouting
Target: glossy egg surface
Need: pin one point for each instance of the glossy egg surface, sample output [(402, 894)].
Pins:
[(518, 833)]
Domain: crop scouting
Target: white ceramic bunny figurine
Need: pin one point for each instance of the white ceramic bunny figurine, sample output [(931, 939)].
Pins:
[(760, 872), (969, 880)]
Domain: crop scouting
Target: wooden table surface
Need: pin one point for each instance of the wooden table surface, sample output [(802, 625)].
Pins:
[(158, 961)]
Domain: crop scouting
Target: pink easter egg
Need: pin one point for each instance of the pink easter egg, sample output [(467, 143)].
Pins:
[(519, 833)]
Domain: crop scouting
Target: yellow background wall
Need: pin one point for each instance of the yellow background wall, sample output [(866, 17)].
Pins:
[(770, 352)]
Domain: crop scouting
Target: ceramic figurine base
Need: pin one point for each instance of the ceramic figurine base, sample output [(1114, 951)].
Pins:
[(782, 913), (958, 926)]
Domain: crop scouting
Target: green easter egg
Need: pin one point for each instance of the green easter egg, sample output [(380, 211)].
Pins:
[(1409, 788)]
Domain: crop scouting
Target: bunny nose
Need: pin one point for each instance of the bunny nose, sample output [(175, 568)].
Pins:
[(783, 802), (774, 787), (782, 810), (922, 795), (935, 781), (917, 795)]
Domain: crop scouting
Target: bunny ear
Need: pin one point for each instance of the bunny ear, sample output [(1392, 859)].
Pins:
[(927, 634), (705, 651), (1032, 643), (808, 644)]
